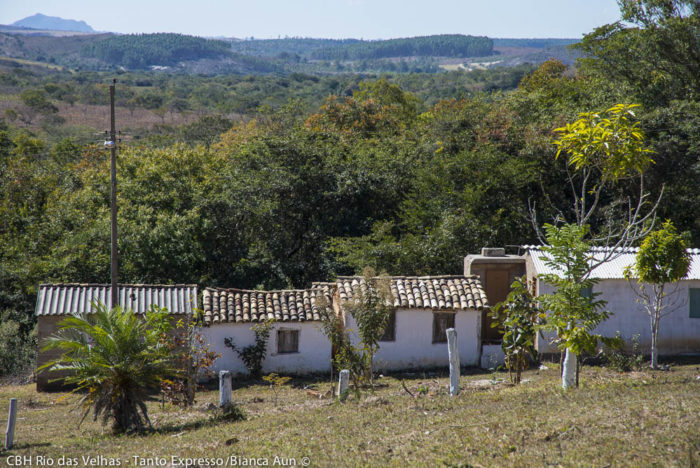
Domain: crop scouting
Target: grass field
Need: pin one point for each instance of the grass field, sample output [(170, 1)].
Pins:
[(635, 419)]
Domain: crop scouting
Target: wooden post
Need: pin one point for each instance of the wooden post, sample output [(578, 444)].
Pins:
[(453, 353), (343, 383), (224, 388), (10, 434)]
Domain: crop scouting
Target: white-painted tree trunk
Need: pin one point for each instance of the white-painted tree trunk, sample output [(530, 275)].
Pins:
[(568, 376), (654, 351)]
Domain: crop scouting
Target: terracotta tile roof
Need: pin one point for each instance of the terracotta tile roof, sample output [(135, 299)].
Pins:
[(68, 299), (429, 292), (298, 305), (238, 305)]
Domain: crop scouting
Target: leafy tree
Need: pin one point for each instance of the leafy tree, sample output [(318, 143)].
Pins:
[(117, 359), (602, 150), (571, 314), (662, 259), (657, 54), (36, 100), (518, 317)]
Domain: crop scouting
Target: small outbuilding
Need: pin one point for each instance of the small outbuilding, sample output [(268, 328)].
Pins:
[(422, 309), (57, 301), (296, 344)]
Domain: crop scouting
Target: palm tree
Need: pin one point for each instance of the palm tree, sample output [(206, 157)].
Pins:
[(116, 359)]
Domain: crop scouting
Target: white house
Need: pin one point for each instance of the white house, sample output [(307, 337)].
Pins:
[(296, 345), (424, 307), (679, 332)]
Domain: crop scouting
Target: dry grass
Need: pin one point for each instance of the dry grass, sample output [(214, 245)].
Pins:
[(637, 419), (95, 116)]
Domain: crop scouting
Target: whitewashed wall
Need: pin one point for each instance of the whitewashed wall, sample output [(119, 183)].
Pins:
[(678, 333), (414, 347), (314, 348)]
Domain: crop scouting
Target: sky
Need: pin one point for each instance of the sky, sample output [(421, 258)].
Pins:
[(362, 19)]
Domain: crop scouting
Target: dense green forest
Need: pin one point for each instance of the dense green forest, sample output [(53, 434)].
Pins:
[(443, 45), (301, 46), (142, 50), (278, 181)]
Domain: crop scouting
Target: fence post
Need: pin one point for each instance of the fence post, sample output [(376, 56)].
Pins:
[(224, 388), (10, 434), (343, 382), (453, 353)]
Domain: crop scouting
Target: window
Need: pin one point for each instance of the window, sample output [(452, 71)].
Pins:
[(694, 302), (287, 341), (390, 330), (441, 322)]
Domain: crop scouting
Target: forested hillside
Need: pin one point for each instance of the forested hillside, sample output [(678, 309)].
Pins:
[(194, 55), (279, 181), (142, 50), (446, 45)]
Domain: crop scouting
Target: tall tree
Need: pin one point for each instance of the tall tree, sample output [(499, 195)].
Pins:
[(662, 259), (603, 148)]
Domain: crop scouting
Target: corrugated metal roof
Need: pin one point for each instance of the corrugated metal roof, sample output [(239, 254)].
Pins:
[(68, 299), (613, 268)]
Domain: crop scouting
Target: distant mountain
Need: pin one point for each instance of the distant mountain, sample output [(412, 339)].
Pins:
[(55, 23)]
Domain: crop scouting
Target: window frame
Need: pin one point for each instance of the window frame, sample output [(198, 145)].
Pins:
[(294, 332), (438, 316), (694, 303)]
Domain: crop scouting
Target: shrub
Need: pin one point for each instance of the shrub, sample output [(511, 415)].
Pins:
[(254, 355)]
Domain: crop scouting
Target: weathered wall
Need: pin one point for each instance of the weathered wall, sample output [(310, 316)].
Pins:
[(678, 333), (314, 348), (47, 326), (414, 347)]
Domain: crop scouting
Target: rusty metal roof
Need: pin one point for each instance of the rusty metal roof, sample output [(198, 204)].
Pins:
[(68, 299), (611, 269)]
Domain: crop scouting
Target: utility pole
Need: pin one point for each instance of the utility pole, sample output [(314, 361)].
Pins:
[(112, 144)]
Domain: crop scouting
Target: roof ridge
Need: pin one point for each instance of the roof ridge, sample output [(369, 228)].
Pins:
[(409, 276), (209, 288), (107, 285)]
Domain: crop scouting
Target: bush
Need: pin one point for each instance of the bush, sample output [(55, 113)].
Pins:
[(614, 356), (117, 359), (254, 355), (17, 348)]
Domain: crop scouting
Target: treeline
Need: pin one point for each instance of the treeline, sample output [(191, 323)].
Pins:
[(144, 50), (301, 46), (444, 45), (535, 43)]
